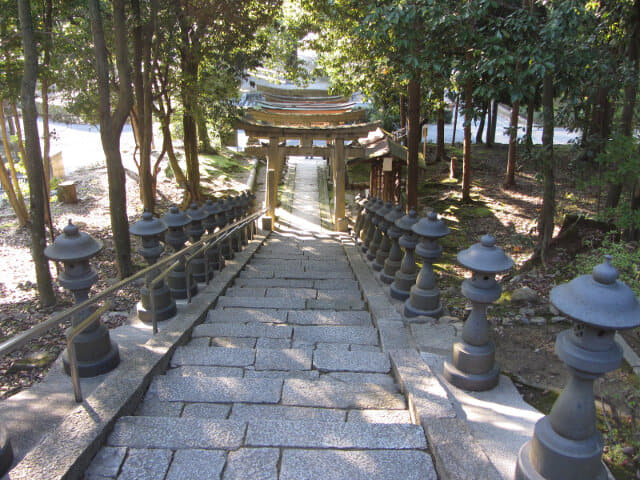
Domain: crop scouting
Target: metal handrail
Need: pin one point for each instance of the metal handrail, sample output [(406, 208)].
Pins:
[(22, 338), (72, 333)]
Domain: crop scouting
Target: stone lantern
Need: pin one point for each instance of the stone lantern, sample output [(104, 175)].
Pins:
[(425, 295), (360, 201), (378, 221), (361, 233), (385, 246), (394, 255), (406, 276), (225, 218), (473, 364), (176, 220), (213, 209), (366, 223), (566, 444), (195, 230), (95, 352), (373, 224), (150, 229), (244, 211)]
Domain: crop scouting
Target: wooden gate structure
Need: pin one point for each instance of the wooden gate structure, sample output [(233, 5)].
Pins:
[(305, 115)]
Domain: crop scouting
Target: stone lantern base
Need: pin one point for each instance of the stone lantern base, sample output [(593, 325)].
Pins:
[(177, 281), (164, 303), (95, 351), (472, 367)]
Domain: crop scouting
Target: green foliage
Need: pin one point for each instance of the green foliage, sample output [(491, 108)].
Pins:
[(619, 163)]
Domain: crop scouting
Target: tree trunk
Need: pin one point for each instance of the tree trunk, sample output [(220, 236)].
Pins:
[(528, 135), (614, 189), (21, 149), (33, 157), (111, 123), (44, 83), (466, 150), (13, 191), (481, 126), (440, 151), (413, 140), (403, 119), (490, 120), (203, 134), (510, 179), (455, 120), (545, 223), (190, 63), (494, 123)]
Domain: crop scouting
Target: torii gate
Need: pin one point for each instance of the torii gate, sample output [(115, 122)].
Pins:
[(337, 153)]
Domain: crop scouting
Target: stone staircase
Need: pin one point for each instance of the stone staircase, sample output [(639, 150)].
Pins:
[(286, 379)]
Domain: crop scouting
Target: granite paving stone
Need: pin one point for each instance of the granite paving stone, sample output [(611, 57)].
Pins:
[(232, 342), (336, 304), (291, 292), (256, 413), (317, 275), (339, 295), (356, 465), (351, 377), (281, 374), (250, 302), (336, 334), (285, 359), (157, 408), (144, 463), (256, 329), (199, 342), (379, 416), (333, 394), (204, 371), (252, 463), (273, 343), (330, 361), (274, 283), (246, 315), (106, 464), (336, 284), (218, 356), (174, 433), (219, 389), (364, 348), (245, 292), (217, 411), (196, 464), (329, 317), (318, 434)]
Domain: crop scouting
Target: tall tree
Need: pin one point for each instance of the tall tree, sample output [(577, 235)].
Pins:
[(37, 189), (112, 122)]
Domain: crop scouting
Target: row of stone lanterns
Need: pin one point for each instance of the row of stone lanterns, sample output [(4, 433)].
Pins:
[(96, 352), (566, 444)]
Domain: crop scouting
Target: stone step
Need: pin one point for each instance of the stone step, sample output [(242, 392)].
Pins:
[(218, 389), (335, 334), (246, 412), (246, 315), (336, 394), (213, 356), (296, 275), (327, 360), (251, 329), (251, 302), (328, 317), (275, 282), (299, 464), (319, 434)]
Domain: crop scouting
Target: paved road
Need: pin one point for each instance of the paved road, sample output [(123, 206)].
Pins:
[(286, 379)]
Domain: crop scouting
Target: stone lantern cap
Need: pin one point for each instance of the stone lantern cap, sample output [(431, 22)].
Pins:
[(370, 204), (73, 245), (212, 207), (485, 257), (599, 299), (196, 213), (148, 226), (405, 223), (431, 227), (382, 211), (176, 218), (393, 215)]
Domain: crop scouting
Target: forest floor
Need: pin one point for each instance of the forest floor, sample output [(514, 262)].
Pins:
[(525, 330), (223, 173)]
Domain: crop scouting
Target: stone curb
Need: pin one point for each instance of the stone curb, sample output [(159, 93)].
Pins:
[(66, 452), (456, 453)]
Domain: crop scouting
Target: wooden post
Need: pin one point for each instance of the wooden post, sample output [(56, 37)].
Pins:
[(269, 220), (339, 219)]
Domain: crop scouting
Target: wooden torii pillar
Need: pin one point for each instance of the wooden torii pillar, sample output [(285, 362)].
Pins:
[(338, 157), (273, 177)]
